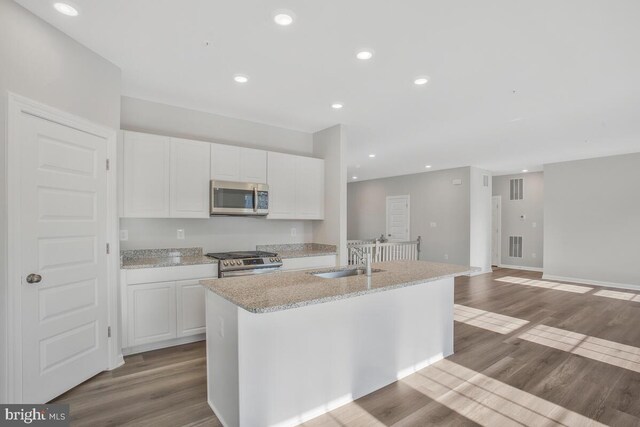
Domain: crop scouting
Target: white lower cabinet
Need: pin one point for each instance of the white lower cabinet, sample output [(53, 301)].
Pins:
[(190, 305), (161, 313), (152, 312)]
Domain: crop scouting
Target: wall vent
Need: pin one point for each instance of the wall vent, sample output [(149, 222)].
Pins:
[(485, 180), (515, 189), (515, 246)]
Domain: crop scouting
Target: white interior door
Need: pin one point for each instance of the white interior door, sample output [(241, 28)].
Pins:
[(496, 230), (398, 218), (63, 229)]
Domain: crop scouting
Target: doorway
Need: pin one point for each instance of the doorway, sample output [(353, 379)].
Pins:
[(496, 230), (62, 279), (398, 225)]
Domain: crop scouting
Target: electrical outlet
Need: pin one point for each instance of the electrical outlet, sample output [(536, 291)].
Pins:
[(293, 232), (534, 255), (446, 256), (534, 224), (124, 235), (180, 233)]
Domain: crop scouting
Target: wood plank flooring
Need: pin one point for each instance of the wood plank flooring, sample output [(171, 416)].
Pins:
[(493, 378)]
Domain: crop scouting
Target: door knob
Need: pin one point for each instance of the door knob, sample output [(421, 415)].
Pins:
[(34, 278)]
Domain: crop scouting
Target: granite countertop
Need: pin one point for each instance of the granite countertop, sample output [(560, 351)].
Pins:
[(154, 258), (286, 290), (299, 250)]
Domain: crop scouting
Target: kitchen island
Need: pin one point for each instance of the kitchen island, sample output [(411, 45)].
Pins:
[(286, 347)]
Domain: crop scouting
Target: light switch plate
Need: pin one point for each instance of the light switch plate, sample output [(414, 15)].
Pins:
[(180, 233), (433, 225), (124, 235)]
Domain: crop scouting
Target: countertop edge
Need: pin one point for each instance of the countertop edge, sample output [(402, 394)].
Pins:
[(335, 297), (307, 255)]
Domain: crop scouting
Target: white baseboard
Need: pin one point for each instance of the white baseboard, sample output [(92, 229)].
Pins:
[(521, 267), (162, 344), (591, 282), (119, 361), (477, 273)]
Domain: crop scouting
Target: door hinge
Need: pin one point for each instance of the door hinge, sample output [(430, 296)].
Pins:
[(108, 164), (108, 249), (108, 331)]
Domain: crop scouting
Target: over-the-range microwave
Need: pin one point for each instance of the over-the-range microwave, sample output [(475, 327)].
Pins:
[(239, 198)]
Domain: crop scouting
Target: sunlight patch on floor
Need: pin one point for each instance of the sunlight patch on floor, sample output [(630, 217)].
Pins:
[(487, 320), (611, 352), (627, 296), (545, 284), (490, 402)]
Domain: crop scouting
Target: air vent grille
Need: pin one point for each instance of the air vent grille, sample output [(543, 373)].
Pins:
[(515, 246), (516, 189)]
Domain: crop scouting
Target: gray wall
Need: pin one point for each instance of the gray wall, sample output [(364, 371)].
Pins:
[(151, 117), (433, 199), (42, 63), (331, 145), (532, 227), (213, 234), (592, 219)]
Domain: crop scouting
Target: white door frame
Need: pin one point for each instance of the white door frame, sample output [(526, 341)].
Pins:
[(386, 219), (17, 105), (497, 199)]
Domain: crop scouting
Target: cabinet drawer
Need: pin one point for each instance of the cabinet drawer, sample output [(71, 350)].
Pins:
[(185, 272)]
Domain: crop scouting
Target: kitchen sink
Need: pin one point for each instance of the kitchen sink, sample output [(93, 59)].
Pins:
[(336, 274)]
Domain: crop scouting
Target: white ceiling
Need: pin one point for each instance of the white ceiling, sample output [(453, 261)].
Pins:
[(514, 84)]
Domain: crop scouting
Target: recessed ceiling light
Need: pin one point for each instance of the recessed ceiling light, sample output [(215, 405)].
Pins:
[(354, 177), (364, 55), (240, 78), (428, 166), (525, 170), (422, 80), (372, 155), (283, 19), (337, 106), (66, 9)]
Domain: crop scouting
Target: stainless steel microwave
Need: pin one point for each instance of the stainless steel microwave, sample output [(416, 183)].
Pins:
[(239, 198)]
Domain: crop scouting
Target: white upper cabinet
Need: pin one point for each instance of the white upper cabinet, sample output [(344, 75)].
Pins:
[(189, 179), (309, 180), (296, 187), (146, 175), (229, 163), (253, 165), (225, 162)]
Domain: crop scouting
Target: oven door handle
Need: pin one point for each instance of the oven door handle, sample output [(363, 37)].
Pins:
[(255, 199)]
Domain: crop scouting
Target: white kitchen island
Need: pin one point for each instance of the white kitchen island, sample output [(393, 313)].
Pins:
[(286, 347)]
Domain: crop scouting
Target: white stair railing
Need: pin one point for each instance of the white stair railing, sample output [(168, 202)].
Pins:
[(388, 251)]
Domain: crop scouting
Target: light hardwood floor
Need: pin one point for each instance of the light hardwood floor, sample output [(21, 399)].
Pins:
[(537, 354)]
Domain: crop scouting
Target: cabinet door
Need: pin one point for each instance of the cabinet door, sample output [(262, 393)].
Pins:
[(146, 175), (225, 162), (190, 305), (281, 179), (189, 178), (253, 166), (151, 312), (309, 182)]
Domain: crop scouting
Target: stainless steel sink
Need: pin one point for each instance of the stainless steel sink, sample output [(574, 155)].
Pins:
[(344, 273)]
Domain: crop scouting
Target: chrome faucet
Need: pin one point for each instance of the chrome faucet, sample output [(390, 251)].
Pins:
[(365, 259)]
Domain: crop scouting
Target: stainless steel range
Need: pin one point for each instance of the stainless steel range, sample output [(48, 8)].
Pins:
[(233, 264)]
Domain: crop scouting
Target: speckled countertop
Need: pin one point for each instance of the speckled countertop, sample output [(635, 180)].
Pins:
[(299, 250), (286, 290), (153, 258)]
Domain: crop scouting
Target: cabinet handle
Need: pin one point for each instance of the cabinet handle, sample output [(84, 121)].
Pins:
[(255, 199)]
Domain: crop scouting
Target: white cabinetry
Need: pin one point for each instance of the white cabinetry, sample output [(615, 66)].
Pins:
[(230, 163), (152, 312), (162, 307), (190, 315), (296, 187), (189, 179), (165, 177), (146, 175)]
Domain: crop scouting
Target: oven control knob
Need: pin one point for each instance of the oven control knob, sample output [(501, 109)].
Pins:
[(238, 262), (225, 262), (270, 259), (278, 259)]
